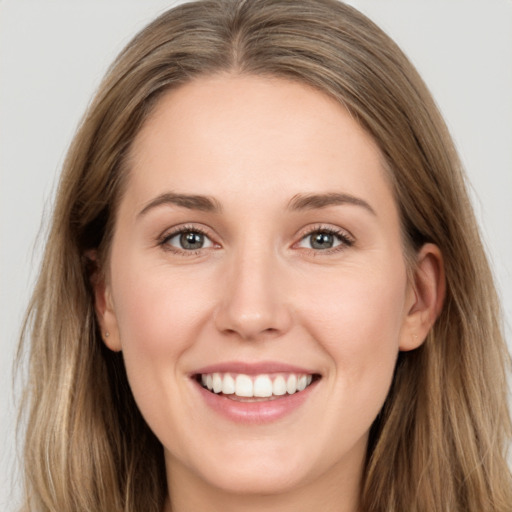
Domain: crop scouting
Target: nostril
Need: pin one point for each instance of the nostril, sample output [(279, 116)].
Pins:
[(252, 312)]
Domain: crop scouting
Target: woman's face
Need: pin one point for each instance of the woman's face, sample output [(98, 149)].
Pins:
[(257, 248)]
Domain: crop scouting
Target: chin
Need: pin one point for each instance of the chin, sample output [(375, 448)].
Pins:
[(257, 478), (255, 470)]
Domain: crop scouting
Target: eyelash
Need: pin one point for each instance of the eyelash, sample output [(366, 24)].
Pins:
[(164, 239), (343, 237)]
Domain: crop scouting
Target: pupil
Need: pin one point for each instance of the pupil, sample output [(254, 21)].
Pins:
[(322, 241), (191, 240)]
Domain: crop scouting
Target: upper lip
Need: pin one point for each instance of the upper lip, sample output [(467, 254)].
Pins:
[(253, 368)]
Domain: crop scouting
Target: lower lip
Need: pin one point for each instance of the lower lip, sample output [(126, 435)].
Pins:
[(255, 412)]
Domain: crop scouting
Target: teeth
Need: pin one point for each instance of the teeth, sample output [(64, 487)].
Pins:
[(228, 385), (291, 384), (263, 386), (217, 383), (260, 386), (243, 386), (279, 386)]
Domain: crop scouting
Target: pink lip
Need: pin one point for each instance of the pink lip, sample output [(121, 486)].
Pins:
[(253, 368), (253, 412)]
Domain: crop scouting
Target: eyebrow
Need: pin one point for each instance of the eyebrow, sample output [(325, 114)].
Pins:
[(298, 202), (191, 202), (315, 201)]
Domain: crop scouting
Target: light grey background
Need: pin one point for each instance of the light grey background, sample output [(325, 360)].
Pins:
[(53, 54)]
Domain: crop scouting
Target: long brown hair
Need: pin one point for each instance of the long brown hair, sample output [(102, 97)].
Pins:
[(439, 442)]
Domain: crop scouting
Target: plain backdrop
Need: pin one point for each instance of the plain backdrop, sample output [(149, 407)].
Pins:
[(53, 54)]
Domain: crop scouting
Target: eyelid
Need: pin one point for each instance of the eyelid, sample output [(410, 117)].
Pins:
[(346, 238), (343, 235), (170, 233)]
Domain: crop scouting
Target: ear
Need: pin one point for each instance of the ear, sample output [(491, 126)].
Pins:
[(104, 306), (425, 296)]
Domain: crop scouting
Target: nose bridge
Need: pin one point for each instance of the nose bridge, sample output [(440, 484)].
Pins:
[(252, 302)]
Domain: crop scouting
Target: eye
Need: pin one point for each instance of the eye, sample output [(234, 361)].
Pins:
[(188, 240), (324, 239)]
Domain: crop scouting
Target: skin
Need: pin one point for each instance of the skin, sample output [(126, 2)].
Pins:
[(259, 291)]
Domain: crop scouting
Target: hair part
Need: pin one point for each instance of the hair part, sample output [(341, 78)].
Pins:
[(439, 442)]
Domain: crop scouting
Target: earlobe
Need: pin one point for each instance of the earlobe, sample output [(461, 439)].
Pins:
[(426, 297), (106, 316), (105, 312)]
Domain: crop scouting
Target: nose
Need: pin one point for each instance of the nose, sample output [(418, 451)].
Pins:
[(253, 303)]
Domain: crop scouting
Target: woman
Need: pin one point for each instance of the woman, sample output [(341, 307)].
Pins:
[(264, 288)]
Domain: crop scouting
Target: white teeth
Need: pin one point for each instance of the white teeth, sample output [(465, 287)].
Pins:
[(263, 386), (243, 386), (291, 384), (228, 385), (260, 386), (279, 386), (217, 383)]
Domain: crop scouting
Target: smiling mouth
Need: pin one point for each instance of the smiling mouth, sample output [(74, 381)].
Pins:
[(255, 388)]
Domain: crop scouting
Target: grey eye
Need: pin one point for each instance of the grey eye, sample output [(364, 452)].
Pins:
[(322, 240), (189, 241)]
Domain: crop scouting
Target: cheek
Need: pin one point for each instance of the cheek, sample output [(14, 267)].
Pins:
[(156, 311), (357, 318), (159, 318)]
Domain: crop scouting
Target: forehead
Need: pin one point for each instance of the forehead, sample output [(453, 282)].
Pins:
[(253, 136)]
